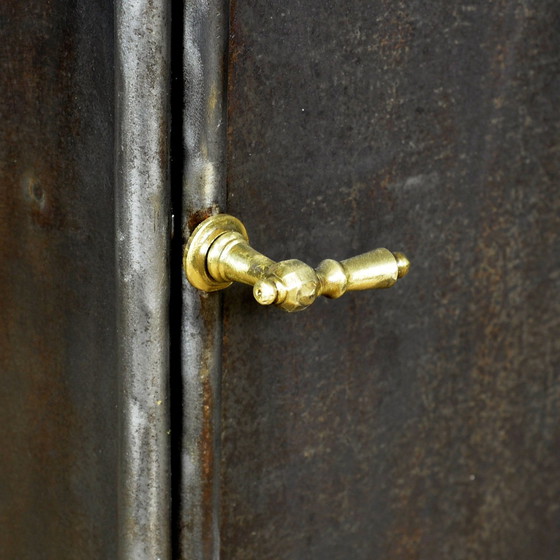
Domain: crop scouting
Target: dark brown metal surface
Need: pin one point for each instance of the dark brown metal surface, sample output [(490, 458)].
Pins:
[(58, 464), (422, 422)]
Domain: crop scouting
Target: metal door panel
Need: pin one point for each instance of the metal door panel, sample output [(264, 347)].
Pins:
[(58, 393), (420, 422)]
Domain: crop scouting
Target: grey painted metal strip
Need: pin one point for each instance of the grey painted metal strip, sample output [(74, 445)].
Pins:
[(142, 216), (204, 132)]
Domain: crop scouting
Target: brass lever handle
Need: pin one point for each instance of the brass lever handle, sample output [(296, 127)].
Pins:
[(218, 253)]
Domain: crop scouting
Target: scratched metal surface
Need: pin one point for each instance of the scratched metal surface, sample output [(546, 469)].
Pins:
[(143, 219), (420, 422), (202, 161), (58, 441)]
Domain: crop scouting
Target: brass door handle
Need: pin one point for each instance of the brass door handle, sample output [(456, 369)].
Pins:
[(218, 253)]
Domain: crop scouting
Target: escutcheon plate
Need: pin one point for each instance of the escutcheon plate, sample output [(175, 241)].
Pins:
[(196, 250)]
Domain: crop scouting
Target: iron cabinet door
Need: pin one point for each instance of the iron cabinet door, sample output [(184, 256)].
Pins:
[(144, 418), (422, 421), (58, 390)]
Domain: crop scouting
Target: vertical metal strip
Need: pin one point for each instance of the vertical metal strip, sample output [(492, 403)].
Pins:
[(204, 134), (142, 220)]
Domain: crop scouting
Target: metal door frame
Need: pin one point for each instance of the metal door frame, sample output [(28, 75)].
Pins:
[(149, 525)]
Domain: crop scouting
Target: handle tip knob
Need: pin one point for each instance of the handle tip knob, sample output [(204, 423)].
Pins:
[(265, 292), (403, 264)]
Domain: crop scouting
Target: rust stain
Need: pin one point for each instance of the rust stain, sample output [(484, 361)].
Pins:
[(209, 380), (195, 218), (394, 44), (207, 464)]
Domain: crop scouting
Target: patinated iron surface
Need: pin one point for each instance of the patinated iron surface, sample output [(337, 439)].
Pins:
[(143, 219), (422, 422), (58, 390), (203, 127)]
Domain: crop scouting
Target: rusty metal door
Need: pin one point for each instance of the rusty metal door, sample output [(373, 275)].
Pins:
[(143, 418), (422, 421), (58, 390)]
